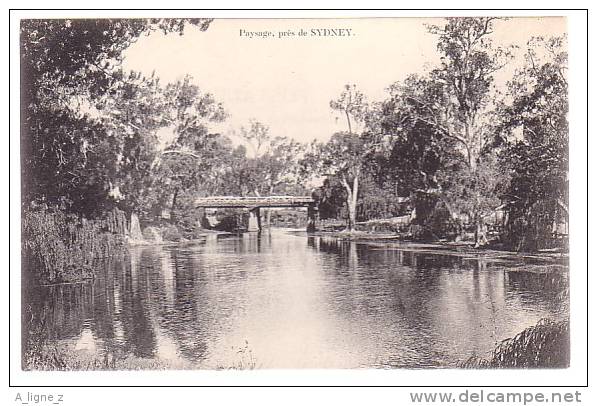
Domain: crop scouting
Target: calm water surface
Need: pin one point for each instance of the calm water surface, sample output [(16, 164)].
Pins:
[(287, 300)]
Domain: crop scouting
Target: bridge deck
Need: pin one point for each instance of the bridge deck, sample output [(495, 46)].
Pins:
[(251, 202)]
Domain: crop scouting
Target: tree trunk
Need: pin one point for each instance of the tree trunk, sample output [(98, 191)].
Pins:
[(480, 233), (472, 146), (355, 193), (351, 214), (351, 201), (173, 206)]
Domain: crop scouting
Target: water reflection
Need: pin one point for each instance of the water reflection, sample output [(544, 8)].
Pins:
[(299, 301)]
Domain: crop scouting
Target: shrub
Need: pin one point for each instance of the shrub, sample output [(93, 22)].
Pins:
[(545, 345), (171, 233), (433, 220), (60, 247)]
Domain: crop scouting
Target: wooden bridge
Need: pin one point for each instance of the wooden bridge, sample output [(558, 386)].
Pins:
[(250, 202), (255, 203)]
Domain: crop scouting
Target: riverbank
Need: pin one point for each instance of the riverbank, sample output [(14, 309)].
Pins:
[(553, 257), (386, 239)]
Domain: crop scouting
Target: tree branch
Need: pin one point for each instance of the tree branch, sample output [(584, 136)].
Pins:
[(436, 124), (181, 152)]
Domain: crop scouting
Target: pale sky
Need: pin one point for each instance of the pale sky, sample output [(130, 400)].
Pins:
[(287, 83)]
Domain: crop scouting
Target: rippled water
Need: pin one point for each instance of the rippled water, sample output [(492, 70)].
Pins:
[(286, 300)]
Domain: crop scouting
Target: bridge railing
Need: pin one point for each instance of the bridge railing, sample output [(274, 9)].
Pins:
[(254, 201)]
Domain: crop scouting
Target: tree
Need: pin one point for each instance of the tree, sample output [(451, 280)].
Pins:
[(344, 155), (275, 159), (279, 164), (131, 114), (69, 68), (417, 149), (256, 135), (239, 174), (455, 102), (350, 103), (274, 164), (189, 158), (537, 195)]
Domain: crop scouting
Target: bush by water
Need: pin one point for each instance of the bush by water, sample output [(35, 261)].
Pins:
[(544, 345), (59, 247)]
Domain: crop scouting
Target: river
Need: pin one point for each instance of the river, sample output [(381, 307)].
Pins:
[(287, 300)]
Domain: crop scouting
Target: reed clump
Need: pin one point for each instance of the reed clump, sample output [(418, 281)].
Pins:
[(544, 345), (58, 247)]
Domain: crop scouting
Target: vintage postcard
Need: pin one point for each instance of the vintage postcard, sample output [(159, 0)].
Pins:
[(223, 194)]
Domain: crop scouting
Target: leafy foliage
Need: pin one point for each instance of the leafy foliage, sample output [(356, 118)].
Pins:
[(70, 75), (272, 166), (545, 345), (537, 196)]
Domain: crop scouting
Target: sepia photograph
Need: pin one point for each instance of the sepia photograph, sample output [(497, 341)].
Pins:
[(294, 193)]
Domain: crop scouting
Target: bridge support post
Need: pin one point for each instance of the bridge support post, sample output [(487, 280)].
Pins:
[(254, 220), (312, 218)]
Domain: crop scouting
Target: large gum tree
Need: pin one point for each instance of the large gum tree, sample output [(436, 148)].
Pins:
[(457, 102)]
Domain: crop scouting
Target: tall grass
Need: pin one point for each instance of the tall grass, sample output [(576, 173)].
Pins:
[(544, 345), (59, 247)]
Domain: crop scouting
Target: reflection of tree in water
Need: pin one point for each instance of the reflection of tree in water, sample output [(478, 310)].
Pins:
[(551, 287), (417, 308), (252, 243), (312, 242), (156, 292), (188, 326), (62, 309), (394, 284), (413, 281), (103, 301), (432, 296), (347, 252), (551, 283), (159, 291), (51, 313), (139, 336)]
